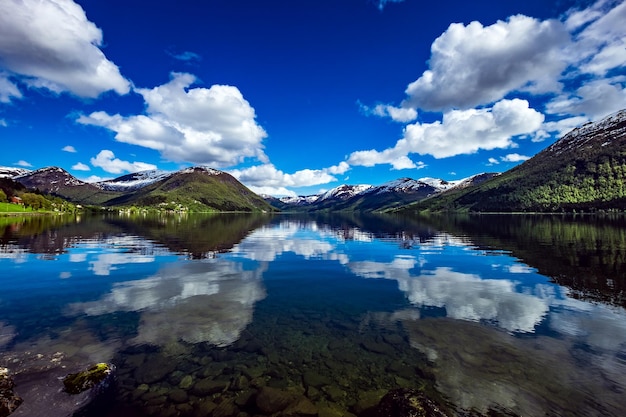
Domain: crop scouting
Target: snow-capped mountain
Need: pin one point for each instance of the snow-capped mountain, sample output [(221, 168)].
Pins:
[(340, 193), (10, 172), (402, 185), (343, 192), (586, 136), (49, 179), (133, 181)]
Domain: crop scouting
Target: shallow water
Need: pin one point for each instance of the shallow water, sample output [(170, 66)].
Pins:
[(201, 314)]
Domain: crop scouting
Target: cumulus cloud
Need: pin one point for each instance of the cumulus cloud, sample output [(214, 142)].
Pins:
[(51, 44), (210, 126), (107, 161), (475, 64), (460, 132), (514, 157), (69, 148), (267, 179), (80, 167)]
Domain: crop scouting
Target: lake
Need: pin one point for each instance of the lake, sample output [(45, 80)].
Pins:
[(205, 314)]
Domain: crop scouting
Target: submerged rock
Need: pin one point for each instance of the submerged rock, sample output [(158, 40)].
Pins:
[(8, 400), (52, 394), (96, 376), (406, 402)]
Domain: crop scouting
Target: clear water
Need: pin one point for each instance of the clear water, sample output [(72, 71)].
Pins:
[(490, 314)]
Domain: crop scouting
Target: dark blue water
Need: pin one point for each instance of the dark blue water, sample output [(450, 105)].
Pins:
[(518, 315)]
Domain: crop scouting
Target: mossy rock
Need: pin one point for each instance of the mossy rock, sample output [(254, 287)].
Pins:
[(95, 376)]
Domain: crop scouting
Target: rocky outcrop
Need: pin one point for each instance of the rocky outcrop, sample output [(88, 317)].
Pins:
[(9, 401)]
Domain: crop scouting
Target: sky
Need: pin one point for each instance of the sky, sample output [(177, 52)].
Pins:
[(298, 97)]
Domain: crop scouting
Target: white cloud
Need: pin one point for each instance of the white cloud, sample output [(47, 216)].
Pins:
[(95, 178), (69, 148), (601, 44), (8, 89), (595, 99), (3, 123), (492, 161), (108, 162), (475, 64), (460, 132), (267, 179), (397, 114), (559, 127), (23, 163), (514, 157), (81, 167), (209, 126), (51, 44)]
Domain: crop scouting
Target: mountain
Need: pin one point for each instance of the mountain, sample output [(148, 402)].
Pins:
[(57, 181), (387, 196), (317, 201), (585, 170), (10, 172), (197, 189)]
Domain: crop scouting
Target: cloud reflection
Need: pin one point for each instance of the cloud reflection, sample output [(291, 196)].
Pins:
[(464, 296), (210, 301)]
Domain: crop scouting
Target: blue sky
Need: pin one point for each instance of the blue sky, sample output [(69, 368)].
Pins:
[(296, 97)]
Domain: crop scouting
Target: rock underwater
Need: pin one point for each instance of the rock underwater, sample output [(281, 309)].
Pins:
[(51, 394), (405, 402)]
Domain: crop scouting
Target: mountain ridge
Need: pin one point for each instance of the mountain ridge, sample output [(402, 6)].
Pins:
[(585, 170), (205, 189)]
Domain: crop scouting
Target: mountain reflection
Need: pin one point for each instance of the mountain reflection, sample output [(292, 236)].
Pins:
[(584, 253)]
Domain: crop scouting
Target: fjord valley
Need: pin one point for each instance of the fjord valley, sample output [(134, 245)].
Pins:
[(584, 171)]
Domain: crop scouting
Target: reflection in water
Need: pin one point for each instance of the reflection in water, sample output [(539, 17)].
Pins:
[(195, 302), (464, 296), (201, 313)]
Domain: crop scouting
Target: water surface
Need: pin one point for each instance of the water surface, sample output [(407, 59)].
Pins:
[(512, 314)]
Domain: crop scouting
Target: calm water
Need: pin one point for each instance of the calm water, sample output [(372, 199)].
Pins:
[(515, 314)]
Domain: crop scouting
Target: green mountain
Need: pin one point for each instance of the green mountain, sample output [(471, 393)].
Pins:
[(585, 170), (195, 189), (198, 189)]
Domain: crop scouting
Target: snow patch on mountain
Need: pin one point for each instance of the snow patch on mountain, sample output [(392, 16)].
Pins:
[(343, 192), (585, 135), (133, 181), (406, 185)]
